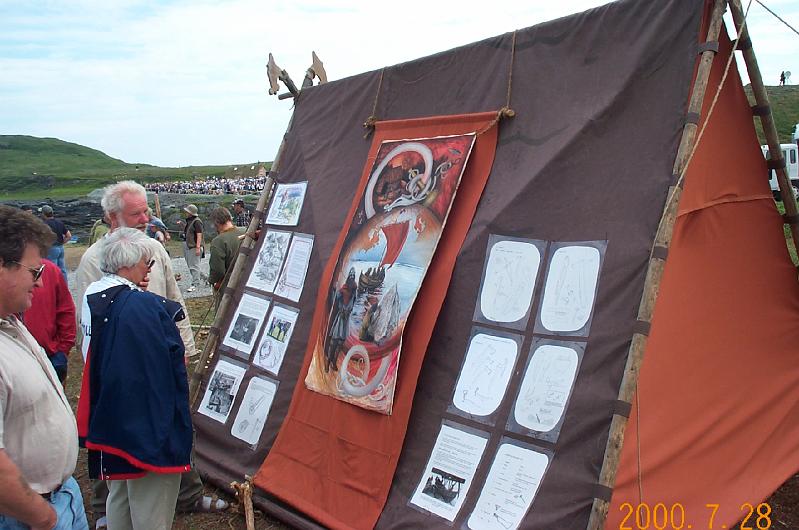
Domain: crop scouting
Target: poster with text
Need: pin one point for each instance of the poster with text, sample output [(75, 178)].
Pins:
[(449, 472), (292, 278), (389, 244), (509, 490)]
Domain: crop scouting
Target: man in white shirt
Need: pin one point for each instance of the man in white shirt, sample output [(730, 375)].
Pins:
[(38, 434)]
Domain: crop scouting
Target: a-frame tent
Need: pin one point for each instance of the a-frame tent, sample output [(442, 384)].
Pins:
[(601, 103)]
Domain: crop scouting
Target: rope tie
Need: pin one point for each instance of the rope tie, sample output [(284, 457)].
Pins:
[(506, 111), (370, 122)]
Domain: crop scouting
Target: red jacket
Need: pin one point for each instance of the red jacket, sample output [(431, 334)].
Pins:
[(51, 317)]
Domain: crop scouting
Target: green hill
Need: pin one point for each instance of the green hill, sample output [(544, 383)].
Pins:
[(784, 102), (32, 167)]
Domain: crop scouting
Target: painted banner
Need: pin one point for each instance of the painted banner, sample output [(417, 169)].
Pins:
[(389, 245)]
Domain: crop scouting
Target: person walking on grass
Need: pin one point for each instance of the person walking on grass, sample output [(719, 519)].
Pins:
[(38, 435), (193, 244)]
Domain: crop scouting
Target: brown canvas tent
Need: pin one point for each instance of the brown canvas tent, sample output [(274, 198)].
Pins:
[(601, 103)]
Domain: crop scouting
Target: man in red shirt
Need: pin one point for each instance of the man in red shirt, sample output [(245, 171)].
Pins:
[(51, 318)]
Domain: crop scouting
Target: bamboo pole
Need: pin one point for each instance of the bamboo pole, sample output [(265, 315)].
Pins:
[(157, 206), (610, 464), (767, 120), (238, 269)]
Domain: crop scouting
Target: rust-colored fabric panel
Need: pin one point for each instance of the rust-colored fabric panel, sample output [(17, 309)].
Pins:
[(331, 457), (718, 394)]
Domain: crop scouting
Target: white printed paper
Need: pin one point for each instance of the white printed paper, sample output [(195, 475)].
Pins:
[(254, 409), (292, 279), (287, 204), (270, 258), (546, 387), (246, 323), (570, 288), (509, 280), (485, 374), (221, 392), (279, 327), (510, 488), (449, 472)]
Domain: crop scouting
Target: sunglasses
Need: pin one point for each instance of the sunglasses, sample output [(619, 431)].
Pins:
[(36, 272)]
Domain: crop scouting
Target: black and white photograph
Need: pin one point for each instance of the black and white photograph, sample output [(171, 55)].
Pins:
[(221, 391), (246, 323), (443, 486)]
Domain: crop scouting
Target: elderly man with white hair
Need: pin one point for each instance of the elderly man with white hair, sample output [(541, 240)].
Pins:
[(133, 413), (125, 205)]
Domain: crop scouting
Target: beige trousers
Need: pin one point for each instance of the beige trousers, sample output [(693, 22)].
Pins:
[(146, 503)]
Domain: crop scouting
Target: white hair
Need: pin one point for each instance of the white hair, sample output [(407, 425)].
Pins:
[(124, 247), (112, 195)]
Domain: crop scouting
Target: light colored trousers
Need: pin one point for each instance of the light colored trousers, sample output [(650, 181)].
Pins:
[(146, 503), (193, 262)]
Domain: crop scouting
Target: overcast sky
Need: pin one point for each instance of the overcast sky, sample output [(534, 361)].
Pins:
[(176, 83)]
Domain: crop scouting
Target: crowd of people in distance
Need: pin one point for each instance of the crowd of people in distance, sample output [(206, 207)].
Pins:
[(210, 186)]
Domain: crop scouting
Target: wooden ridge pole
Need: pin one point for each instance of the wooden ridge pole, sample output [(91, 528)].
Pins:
[(766, 119), (610, 464), (235, 276)]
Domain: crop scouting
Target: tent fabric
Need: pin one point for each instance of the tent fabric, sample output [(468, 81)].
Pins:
[(600, 100), (717, 407), (330, 455)]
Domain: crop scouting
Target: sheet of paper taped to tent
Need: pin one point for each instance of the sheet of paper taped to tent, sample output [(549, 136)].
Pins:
[(600, 99)]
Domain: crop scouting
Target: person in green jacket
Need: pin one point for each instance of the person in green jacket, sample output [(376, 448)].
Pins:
[(224, 249)]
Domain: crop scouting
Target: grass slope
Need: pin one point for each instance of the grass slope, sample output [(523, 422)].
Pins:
[(32, 167), (784, 102)]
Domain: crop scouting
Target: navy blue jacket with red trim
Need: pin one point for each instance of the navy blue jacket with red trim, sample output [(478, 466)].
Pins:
[(133, 412)]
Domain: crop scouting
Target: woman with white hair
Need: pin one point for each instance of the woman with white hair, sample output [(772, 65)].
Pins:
[(133, 413)]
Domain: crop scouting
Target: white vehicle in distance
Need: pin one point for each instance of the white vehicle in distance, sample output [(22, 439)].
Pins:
[(790, 153)]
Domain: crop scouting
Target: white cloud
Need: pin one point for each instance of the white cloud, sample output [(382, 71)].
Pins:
[(184, 82)]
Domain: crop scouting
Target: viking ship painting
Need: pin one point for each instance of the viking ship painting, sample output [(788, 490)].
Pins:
[(390, 242)]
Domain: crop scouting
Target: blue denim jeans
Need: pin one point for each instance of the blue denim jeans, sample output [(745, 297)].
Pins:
[(68, 505), (56, 255)]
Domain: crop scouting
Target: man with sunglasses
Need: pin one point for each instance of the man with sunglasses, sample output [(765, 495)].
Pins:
[(38, 434)]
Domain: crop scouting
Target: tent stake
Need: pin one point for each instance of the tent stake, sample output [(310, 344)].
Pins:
[(610, 464), (767, 120)]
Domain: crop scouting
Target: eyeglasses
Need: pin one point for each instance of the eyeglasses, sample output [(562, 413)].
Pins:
[(150, 264), (36, 272)]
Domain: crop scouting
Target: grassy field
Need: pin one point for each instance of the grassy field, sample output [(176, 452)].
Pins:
[(784, 102), (34, 168)]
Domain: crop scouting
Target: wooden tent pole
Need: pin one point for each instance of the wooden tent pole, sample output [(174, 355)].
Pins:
[(610, 464), (766, 119), (238, 269)]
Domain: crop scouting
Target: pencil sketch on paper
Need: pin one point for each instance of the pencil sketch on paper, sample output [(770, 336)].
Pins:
[(510, 488), (485, 374), (254, 409), (570, 288), (546, 387), (269, 261), (509, 280)]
